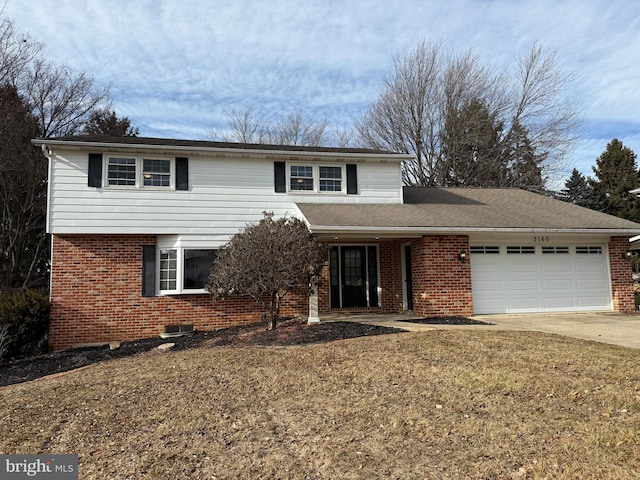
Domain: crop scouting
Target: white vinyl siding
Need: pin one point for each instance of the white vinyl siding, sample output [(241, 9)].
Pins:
[(540, 278), (224, 195)]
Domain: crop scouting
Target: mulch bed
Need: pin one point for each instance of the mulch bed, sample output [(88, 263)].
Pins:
[(446, 321), (288, 333)]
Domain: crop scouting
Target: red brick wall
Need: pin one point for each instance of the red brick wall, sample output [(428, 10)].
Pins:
[(389, 257), (96, 286), (441, 282), (621, 279)]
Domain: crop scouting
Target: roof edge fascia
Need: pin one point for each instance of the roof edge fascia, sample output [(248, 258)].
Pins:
[(234, 152), (413, 231)]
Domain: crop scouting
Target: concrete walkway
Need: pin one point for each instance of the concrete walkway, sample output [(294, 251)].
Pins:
[(607, 327)]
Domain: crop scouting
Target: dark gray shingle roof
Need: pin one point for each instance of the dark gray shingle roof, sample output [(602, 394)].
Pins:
[(172, 142), (472, 209)]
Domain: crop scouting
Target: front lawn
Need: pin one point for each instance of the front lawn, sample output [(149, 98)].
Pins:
[(435, 405)]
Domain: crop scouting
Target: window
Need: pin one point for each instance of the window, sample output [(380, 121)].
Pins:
[(183, 270), (592, 250), (156, 172), (521, 250), (554, 250), (197, 267), (301, 177), (140, 172), (494, 249), (330, 179), (168, 270), (121, 171), (316, 178)]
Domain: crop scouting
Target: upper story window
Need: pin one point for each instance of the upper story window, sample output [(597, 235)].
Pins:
[(315, 178), (301, 177), (139, 172), (121, 171), (330, 179), (156, 172)]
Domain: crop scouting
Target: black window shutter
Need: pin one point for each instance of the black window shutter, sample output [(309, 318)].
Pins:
[(352, 179), (182, 173), (280, 177), (148, 270), (95, 170)]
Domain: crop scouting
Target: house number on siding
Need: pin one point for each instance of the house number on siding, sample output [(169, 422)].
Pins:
[(540, 239)]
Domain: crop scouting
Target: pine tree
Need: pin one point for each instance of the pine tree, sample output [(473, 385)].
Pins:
[(578, 190), (616, 174)]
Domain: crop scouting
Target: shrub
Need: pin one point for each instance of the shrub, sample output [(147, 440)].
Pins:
[(24, 322)]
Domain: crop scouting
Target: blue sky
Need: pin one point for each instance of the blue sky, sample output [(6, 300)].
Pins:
[(176, 67)]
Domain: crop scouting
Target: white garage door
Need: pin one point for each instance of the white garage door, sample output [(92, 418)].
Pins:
[(532, 278)]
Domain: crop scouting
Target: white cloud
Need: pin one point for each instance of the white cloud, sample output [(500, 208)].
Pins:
[(176, 66)]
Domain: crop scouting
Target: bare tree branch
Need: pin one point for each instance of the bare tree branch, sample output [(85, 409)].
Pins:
[(420, 111)]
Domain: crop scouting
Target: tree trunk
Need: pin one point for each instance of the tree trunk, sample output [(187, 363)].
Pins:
[(272, 321)]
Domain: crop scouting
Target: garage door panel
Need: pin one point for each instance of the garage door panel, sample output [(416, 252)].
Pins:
[(591, 284), (559, 284), (560, 303), (556, 267), (591, 266), (553, 281), (523, 304), (592, 301), (514, 286), (489, 305), (522, 267)]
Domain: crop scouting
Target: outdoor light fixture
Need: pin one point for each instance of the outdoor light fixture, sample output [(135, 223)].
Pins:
[(462, 256), (628, 255)]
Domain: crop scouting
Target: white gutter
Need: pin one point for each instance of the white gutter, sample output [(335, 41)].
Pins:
[(395, 231), (255, 152)]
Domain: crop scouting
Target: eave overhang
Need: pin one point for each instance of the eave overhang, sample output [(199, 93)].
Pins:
[(230, 152)]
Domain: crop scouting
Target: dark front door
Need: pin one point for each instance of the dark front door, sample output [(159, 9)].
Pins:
[(354, 280), (408, 277)]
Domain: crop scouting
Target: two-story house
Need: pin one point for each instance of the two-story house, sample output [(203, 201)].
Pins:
[(136, 223)]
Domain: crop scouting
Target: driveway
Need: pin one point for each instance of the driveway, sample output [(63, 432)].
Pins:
[(608, 327)]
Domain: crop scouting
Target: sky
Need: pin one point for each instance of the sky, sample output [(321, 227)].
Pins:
[(176, 68)]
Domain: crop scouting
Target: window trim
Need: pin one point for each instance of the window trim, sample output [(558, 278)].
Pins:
[(316, 178), (180, 271), (139, 182)]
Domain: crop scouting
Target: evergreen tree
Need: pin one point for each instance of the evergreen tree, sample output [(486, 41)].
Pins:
[(471, 148), (479, 153), (578, 190), (524, 165), (105, 122), (616, 174)]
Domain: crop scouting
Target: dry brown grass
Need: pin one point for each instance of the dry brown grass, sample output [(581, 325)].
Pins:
[(434, 405)]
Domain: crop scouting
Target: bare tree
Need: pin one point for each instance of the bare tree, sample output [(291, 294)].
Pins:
[(16, 51), (37, 99), (421, 110), (406, 116), (23, 173), (248, 126), (266, 261), (62, 100)]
